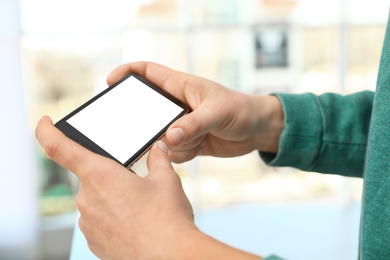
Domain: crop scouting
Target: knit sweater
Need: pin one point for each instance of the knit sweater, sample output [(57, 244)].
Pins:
[(347, 135)]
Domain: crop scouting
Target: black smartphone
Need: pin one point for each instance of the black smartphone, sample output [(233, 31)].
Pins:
[(123, 121)]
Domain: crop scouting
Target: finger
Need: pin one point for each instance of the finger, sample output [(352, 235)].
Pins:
[(156, 73), (187, 151), (192, 144), (158, 159), (183, 156), (170, 80), (190, 127), (65, 151), (124, 69)]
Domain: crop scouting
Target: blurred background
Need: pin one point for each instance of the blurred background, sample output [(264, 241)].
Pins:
[(54, 55)]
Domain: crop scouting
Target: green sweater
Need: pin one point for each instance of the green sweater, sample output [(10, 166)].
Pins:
[(350, 136)]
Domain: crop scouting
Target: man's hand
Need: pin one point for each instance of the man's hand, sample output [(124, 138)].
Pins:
[(124, 216), (223, 122)]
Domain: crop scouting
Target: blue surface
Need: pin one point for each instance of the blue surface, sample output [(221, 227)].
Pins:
[(294, 231)]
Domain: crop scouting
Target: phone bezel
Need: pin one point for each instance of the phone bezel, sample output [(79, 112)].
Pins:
[(83, 140)]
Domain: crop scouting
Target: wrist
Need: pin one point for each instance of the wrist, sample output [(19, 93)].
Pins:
[(270, 123)]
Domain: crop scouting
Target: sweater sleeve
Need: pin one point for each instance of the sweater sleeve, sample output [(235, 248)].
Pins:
[(326, 133)]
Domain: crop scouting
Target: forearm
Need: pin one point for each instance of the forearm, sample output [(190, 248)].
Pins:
[(198, 245)]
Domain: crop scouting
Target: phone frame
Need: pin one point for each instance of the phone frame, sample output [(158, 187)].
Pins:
[(83, 140)]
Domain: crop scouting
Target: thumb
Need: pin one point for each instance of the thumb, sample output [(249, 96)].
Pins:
[(190, 127), (158, 160)]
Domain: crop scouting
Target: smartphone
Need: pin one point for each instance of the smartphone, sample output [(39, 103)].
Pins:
[(123, 121)]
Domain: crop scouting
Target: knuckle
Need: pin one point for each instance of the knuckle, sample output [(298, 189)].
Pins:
[(51, 149), (195, 123), (84, 174), (81, 224), (92, 247), (81, 204)]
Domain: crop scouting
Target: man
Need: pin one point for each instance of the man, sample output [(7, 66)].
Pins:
[(124, 216)]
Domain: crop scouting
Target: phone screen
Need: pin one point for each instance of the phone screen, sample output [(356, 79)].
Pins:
[(126, 118)]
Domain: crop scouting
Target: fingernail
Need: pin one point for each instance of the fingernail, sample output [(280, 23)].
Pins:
[(163, 147), (176, 135)]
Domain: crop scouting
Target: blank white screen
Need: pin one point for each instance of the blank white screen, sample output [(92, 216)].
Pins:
[(124, 119)]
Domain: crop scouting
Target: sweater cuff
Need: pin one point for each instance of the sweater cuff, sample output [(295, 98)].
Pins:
[(300, 140)]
